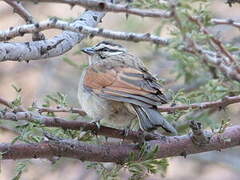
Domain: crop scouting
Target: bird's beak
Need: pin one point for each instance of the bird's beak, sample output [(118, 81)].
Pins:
[(88, 50)]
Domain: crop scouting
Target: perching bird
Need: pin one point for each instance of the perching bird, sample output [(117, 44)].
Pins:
[(116, 86)]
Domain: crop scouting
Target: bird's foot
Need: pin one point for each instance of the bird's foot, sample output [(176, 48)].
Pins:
[(126, 131), (97, 123)]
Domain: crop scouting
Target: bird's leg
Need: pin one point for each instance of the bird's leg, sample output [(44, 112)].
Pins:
[(128, 127)]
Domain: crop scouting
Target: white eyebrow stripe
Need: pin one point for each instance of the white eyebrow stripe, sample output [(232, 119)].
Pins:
[(110, 47), (113, 53)]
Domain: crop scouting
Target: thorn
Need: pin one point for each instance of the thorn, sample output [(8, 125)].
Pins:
[(184, 154)]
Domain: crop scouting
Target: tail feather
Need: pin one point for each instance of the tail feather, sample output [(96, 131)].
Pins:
[(151, 119)]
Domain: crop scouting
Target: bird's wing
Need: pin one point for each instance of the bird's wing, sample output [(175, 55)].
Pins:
[(124, 84)]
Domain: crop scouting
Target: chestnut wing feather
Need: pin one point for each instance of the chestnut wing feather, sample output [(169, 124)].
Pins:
[(124, 84)]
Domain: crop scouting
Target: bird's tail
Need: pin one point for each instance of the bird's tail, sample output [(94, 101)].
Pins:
[(150, 119)]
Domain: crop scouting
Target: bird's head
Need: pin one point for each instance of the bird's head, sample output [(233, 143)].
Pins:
[(104, 49)]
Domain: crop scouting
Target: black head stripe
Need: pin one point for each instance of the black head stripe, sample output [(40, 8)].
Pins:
[(109, 43)]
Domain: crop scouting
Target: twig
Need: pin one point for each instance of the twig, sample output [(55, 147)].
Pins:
[(9, 105), (54, 23), (8, 129), (226, 22), (61, 109), (19, 9), (5, 102), (169, 146), (227, 100), (203, 105)]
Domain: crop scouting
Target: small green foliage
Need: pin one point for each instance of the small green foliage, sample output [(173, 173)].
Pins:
[(70, 62), (149, 4), (224, 124), (139, 165), (145, 163), (18, 90), (73, 64), (213, 90), (107, 171), (232, 48), (18, 100), (20, 168), (56, 98), (29, 133)]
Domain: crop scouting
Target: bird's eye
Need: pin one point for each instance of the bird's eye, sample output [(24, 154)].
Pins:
[(104, 49)]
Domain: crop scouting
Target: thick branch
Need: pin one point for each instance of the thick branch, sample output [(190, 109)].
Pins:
[(54, 23), (52, 47), (169, 146)]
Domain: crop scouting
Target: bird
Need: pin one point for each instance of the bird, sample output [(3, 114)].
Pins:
[(117, 87)]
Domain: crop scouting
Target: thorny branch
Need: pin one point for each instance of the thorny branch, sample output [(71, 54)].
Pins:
[(222, 103), (169, 146), (210, 57), (54, 23), (178, 107), (60, 109), (103, 130), (203, 105), (110, 7), (213, 59), (49, 48), (217, 42)]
